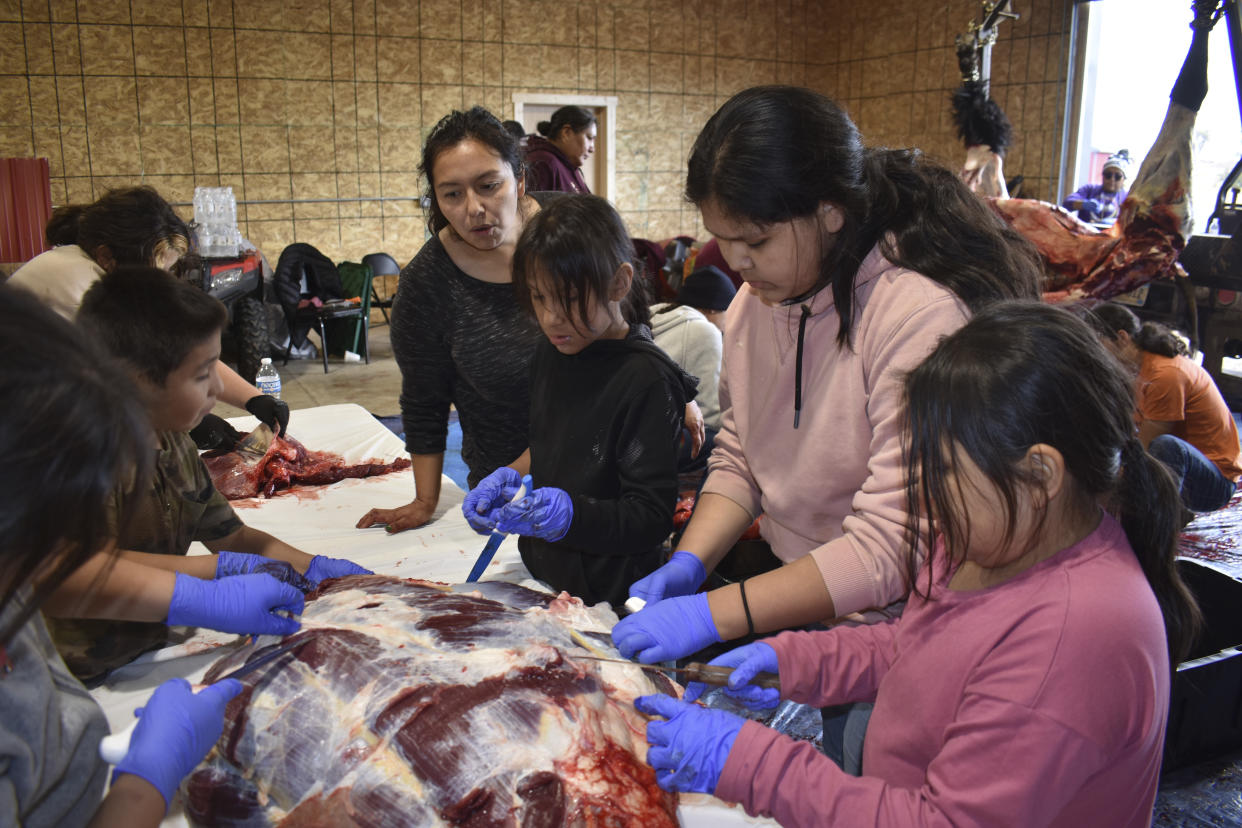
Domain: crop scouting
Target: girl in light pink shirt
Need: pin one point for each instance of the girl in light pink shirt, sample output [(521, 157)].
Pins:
[(855, 263), (1027, 682)]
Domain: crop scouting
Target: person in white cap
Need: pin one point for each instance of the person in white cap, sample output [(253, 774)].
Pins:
[(1101, 203)]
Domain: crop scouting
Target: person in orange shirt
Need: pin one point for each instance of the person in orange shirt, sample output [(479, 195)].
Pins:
[(1182, 418)]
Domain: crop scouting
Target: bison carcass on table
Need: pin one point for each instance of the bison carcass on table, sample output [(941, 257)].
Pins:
[(413, 704)]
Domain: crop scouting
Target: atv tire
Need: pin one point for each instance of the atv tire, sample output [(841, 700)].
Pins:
[(250, 336)]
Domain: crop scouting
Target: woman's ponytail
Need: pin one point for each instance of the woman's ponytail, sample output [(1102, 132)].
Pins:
[(1147, 506), (62, 225), (1158, 339)]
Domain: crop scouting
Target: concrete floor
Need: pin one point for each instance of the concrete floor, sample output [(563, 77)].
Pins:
[(375, 386)]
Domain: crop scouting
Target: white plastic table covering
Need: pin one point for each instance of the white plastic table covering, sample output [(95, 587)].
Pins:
[(320, 520)]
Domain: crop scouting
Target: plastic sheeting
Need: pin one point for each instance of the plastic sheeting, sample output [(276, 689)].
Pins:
[(1216, 537), (320, 520), (1206, 795)]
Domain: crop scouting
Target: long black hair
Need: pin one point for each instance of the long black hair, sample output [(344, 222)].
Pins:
[(775, 153), (1021, 373), (72, 436), (62, 225), (136, 224), (580, 241), (476, 124), (575, 117), (1109, 318)]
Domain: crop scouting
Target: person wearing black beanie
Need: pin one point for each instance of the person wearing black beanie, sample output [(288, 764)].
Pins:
[(709, 291)]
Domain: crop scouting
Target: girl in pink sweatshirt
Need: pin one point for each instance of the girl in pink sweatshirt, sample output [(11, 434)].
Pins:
[(856, 262), (1027, 682)]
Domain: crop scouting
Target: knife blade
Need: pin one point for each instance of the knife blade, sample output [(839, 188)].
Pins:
[(694, 671), (257, 442), (112, 748), (493, 542), (485, 557)]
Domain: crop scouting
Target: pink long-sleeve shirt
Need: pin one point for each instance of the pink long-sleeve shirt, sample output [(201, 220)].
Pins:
[(1040, 701), (834, 487)]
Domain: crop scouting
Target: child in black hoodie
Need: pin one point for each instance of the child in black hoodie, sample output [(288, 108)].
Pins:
[(606, 412)]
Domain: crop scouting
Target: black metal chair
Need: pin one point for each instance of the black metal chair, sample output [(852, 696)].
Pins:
[(308, 285), (381, 264)]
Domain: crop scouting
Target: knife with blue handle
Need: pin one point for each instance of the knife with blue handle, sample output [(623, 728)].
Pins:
[(112, 749), (493, 542)]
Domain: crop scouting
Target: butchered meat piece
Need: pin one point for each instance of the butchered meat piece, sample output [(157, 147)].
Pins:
[(411, 703), (286, 463)]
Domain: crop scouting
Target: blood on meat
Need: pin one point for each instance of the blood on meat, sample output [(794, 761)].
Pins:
[(285, 464), (432, 707)]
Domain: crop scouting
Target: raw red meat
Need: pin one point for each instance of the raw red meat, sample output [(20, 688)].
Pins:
[(684, 510), (1083, 263), (287, 462), (1144, 244), (1087, 265), (412, 704)]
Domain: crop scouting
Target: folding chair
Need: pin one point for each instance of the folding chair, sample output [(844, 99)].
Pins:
[(309, 288), (381, 264)]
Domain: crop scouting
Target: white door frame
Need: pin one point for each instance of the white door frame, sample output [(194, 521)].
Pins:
[(606, 126)]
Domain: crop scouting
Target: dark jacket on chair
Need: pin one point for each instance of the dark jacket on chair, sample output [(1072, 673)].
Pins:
[(323, 281)]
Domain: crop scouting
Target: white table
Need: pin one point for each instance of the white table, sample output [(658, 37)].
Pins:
[(320, 520)]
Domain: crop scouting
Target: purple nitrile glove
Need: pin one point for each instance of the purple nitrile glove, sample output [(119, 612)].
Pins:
[(747, 662), (243, 563), (689, 750), (544, 513), (682, 575), (1090, 205), (322, 568), (673, 628), (175, 730), (245, 604), (485, 500)]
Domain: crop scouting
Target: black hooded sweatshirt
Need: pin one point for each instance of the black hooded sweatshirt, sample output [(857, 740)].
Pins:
[(604, 425)]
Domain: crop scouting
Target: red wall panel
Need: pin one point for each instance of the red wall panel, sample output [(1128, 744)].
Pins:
[(25, 205)]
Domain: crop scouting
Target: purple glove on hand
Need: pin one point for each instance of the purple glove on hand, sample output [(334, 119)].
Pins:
[(544, 513), (673, 628), (322, 568), (245, 604), (175, 730), (243, 563), (682, 575), (486, 499), (688, 751), (747, 662)]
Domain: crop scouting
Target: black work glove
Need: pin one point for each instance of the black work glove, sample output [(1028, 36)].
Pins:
[(215, 433), (270, 410)]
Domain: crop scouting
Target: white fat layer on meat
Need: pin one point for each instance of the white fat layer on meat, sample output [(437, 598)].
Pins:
[(495, 743)]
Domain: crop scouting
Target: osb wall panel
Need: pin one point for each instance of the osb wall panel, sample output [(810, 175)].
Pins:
[(892, 63), (303, 99)]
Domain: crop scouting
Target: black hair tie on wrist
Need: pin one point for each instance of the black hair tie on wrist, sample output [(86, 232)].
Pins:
[(750, 622)]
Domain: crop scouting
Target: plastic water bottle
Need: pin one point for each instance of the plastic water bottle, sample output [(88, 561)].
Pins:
[(267, 380)]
